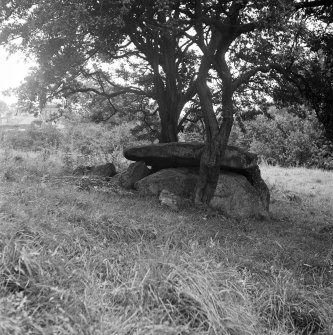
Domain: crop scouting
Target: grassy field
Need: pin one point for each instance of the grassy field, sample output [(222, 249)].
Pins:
[(81, 258)]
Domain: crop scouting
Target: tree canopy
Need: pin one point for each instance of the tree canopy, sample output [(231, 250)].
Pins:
[(73, 40), (307, 77)]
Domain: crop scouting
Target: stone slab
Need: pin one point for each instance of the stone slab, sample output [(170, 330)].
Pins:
[(173, 155)]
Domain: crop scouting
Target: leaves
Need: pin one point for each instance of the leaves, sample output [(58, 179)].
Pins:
[(78, 46)]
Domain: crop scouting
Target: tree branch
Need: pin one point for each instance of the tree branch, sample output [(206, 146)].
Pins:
[(245, 77), (311, 4), (70, 90)]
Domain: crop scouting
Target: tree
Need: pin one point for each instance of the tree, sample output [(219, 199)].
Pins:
[(71, 40), (157, 32), (3, 108), (235, 38), (307, 77), (241, 41)]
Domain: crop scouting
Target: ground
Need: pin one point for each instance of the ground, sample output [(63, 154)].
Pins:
[(80, 258)]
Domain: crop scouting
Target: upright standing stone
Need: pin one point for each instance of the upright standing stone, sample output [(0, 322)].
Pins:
[(234, 195), (177, 181), (135, 172)]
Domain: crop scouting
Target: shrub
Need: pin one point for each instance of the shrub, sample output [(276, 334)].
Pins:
[(90, 144), (286, 140), (33, 139), (76, 144)]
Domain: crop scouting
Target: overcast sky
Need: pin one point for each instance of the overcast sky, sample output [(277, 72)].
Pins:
[(13, 69)]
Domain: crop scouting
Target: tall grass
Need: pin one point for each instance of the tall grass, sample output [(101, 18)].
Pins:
[(93, 261)]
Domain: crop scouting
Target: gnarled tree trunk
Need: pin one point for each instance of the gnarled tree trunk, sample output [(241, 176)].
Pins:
[(169, 125), (210, 163), (169, 110), (209, 174), (216, 140)]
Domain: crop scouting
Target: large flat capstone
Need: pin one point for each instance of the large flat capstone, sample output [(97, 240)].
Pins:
[(173, 155)]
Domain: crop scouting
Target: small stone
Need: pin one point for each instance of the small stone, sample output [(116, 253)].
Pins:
[(171, 200), (107, 170)]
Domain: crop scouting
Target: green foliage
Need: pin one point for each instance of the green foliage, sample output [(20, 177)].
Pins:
[(91, 144), (33, 139), (76, 144), (3, 107), (287, 140), (309, 74)]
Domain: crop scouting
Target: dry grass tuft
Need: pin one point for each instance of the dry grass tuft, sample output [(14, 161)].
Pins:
[(283, 304)]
